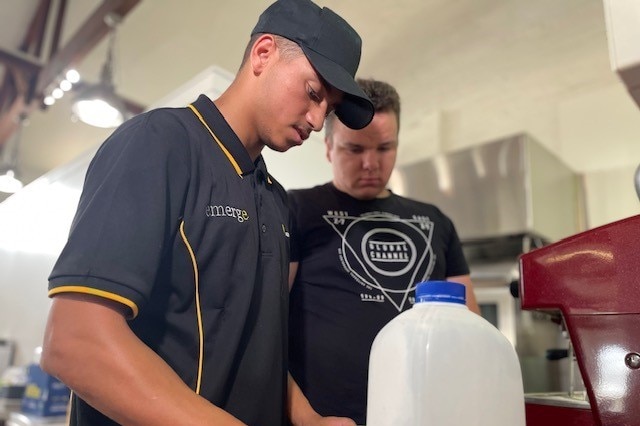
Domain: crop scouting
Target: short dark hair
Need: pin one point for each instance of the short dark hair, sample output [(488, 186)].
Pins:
[(288, 49), (384, 97)]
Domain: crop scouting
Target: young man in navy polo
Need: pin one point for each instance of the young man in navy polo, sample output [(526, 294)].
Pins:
[(170, 297)]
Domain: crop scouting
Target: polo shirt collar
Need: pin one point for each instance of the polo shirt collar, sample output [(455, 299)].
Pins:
[(216, 122)]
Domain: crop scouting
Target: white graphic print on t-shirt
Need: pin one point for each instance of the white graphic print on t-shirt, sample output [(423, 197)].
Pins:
[(384, 253)]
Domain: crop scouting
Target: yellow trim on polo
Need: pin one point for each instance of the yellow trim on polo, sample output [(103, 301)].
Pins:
[(198, 308), (96, 292), (222, 147)]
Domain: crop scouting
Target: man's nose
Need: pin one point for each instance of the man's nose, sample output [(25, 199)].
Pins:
[(316, 116), (370, 159)]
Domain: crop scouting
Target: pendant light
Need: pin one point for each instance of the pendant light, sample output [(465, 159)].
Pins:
[(97, 104)]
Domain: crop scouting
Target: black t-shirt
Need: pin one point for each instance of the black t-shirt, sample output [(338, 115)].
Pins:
[(359, 263), (184, 229)]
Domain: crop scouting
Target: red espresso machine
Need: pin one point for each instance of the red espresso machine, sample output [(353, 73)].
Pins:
[(593, 280)]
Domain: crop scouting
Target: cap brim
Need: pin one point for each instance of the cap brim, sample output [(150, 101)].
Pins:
[(356, 110)]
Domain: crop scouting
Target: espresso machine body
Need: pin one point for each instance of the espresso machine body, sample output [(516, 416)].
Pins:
[(593, 280)]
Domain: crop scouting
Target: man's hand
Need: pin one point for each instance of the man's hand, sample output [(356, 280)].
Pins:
[(337, 421), (329, 421), (301, 413)]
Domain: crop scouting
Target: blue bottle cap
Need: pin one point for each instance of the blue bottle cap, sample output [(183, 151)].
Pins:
[(441, 291)]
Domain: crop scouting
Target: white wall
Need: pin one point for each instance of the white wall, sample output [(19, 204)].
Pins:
[(611, 195), (34, 224), (302, 166)]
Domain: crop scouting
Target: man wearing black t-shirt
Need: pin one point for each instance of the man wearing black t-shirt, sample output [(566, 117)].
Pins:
[(357, 251)]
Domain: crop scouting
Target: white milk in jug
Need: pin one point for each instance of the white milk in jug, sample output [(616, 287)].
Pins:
[(439, 364)]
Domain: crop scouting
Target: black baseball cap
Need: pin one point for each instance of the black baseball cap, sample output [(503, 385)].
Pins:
[(331, 45)]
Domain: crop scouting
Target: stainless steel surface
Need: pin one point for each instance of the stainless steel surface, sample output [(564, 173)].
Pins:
[(558, 399), (493, 265), (537, 336), (505, 187)]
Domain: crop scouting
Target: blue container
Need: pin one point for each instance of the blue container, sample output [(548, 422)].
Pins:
[(44, 395)]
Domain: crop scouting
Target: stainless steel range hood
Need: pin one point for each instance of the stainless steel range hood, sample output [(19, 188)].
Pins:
[(508, 187)]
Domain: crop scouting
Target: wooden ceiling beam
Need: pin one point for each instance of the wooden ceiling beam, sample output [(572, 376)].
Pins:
[(41, 75), (7, 89), (57, 29), (83, 41), (9, 119), (34, 38), (23, 61), (23, 65)]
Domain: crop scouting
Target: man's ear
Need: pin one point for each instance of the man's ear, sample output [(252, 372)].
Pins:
[(262, 52)]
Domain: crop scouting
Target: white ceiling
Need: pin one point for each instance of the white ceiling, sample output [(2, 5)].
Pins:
[(445, 57)]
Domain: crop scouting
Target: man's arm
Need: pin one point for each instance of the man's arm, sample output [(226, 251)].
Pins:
[(293, 270), (89, 346), (472, 303), (299, 410)]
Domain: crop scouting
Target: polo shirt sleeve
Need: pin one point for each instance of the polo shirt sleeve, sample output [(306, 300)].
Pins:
[(128, 213)]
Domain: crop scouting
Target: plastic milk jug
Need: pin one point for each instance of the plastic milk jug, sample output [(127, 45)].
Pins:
[(439, 364)]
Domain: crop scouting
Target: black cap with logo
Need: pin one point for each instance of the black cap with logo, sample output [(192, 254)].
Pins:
[(330, 44)]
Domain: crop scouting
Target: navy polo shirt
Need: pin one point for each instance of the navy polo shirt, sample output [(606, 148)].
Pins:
[(178, 224)]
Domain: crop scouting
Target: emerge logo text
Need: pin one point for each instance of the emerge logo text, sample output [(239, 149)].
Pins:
[(227, 211)]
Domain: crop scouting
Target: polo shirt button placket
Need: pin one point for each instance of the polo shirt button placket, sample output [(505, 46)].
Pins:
[(264, 228)]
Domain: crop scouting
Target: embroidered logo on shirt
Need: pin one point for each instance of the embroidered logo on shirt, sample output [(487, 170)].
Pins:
[(240, 215), (384, 252)]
